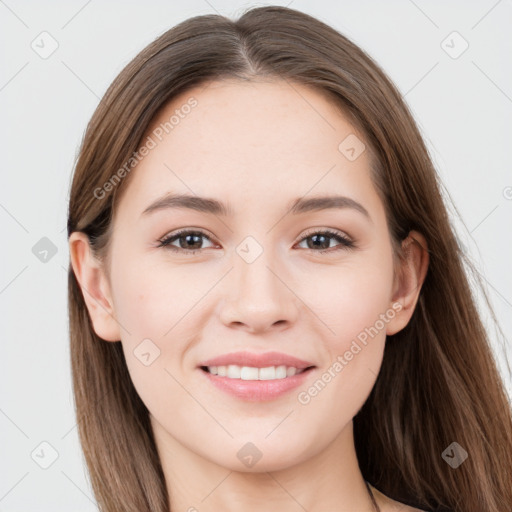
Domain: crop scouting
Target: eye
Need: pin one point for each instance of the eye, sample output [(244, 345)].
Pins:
[(189, 241), (322, 240)]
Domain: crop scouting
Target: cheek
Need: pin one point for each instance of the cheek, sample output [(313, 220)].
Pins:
[(350, 299), (152, 309), (147, 307), (353, 301), (160, 307), (357, 308), (151, 299)]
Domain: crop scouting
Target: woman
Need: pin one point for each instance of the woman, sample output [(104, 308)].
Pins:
[(268, 305)]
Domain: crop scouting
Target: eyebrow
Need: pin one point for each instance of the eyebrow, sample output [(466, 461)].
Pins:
[(215, 207)]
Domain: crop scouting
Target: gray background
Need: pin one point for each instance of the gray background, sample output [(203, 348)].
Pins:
[(462, 103)]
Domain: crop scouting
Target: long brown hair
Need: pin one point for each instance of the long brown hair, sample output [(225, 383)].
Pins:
[(438, 383)]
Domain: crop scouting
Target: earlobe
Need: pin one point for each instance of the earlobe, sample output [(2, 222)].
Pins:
[(95, 287), (409, 279)]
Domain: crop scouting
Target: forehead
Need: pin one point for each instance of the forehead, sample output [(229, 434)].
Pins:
[(249, 141)]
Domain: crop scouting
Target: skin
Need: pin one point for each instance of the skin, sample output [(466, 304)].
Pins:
[(256, 146)]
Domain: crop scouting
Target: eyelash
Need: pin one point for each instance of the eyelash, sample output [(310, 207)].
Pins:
[(345, 243)]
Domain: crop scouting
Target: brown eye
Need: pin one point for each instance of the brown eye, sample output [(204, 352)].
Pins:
[(188, 241), (320, 241)]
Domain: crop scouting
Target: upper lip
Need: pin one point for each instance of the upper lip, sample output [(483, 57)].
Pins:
[(257, 360)]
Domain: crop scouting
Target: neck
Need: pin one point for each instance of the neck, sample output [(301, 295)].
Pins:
[(327, 480)]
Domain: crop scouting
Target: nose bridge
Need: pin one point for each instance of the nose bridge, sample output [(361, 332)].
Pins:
[(253, 261), (257, 294)]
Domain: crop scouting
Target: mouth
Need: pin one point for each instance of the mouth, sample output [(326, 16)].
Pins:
[(251, 373), (256, 384)]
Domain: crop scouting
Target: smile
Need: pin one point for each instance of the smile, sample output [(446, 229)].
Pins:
[(234, 371), (255, 384)]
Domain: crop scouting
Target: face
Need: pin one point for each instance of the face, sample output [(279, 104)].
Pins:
[(261, 277)]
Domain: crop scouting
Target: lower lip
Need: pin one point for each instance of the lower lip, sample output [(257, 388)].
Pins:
[(257, 390)]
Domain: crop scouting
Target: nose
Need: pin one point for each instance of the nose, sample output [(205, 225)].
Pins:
[(258, 296)]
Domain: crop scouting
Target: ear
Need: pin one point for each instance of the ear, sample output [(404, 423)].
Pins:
[(409, 279), (95, 287)]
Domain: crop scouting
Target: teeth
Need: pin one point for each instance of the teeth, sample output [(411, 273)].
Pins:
[(234, 371), (268, 373)]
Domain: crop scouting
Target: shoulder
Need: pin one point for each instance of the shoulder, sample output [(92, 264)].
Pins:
[(396, 506), (387, 504)]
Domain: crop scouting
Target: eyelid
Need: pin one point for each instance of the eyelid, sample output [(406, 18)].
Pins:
[(330, 231), (175, 234), (345, 241)]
